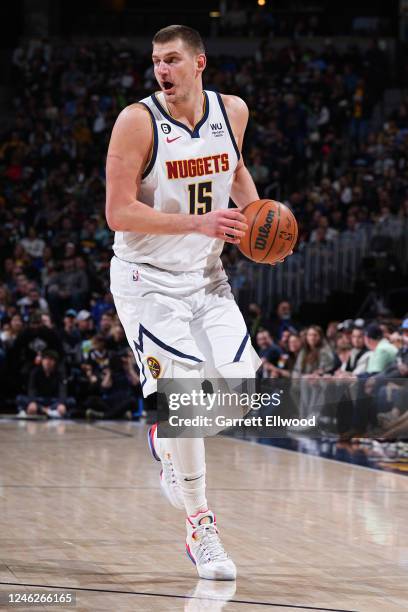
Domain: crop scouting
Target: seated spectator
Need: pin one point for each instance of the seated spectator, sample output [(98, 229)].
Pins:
[(267, 349), (46, 394), (98, 355), (71, 340), (387, 386), (106, 323), (331, 333), (116, 341), (11, 330), (33, 245), (357, 361), (316, 357), (120, 387), (86, 328), (342, 349), (102, 304), (69, 289), (283, 320), (32, 301), (283, 341), (28, 347), (314, 360), (329, 233), (383, 353), (287, 360)]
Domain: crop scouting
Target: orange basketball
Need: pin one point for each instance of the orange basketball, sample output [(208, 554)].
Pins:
[(272, 231)]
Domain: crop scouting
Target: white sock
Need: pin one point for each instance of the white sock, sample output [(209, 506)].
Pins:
[(188, 457)]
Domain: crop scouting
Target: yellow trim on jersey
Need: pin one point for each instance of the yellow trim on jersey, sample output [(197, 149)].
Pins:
[(151, 146), (167, 110)]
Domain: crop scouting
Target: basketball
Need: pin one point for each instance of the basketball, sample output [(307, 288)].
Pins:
[(272, 231)]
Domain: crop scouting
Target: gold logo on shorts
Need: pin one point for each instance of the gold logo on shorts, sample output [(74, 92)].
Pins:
[(154, 366)]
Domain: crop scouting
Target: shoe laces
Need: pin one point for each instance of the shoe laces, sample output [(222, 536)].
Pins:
[(209, 544)]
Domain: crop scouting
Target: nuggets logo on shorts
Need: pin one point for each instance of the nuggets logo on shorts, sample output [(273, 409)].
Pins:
[(154, 366)]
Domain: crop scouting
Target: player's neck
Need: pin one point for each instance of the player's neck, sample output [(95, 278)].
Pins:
[(188, 111)]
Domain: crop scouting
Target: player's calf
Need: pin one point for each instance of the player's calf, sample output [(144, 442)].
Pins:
[(168, 480)]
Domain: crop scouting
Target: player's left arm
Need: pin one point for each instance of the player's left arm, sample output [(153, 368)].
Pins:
[(243, 190)]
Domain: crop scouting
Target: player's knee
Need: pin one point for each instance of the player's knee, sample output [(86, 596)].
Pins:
[(186, 370), (236, 369)]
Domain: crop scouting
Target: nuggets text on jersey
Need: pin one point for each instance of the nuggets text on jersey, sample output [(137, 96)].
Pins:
[(183, 168)]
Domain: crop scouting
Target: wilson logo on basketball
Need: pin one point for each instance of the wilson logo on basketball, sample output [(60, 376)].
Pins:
[(264, 230), (154, 366)]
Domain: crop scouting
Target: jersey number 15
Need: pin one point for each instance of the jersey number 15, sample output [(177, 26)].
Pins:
[(200, 198)]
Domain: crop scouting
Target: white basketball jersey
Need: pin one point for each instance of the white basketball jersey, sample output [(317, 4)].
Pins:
[(189, 172)]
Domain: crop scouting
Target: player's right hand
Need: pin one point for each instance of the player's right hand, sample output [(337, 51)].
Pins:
[(229, 225)]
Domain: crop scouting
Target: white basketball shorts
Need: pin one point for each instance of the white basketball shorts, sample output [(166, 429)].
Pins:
[(176, 322)]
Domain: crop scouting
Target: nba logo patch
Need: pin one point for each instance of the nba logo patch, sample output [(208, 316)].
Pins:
[(135, 275), (154, 366)]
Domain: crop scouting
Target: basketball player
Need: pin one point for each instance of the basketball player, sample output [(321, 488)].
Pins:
[(173, 162)]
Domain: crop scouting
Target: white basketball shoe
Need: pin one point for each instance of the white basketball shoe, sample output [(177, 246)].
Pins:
[(168, 479), (205, 550)]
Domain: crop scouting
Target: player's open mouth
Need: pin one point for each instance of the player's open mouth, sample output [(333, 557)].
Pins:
[(167, 86)]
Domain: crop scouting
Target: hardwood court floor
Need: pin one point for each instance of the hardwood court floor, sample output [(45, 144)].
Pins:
[(80, 509)]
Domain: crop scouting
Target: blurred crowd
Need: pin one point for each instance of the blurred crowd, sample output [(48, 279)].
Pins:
[(353, 376), (309, 142), (262, 20)]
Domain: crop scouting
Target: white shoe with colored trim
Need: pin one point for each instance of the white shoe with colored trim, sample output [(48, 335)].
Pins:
[(205, 550), (168, 479)]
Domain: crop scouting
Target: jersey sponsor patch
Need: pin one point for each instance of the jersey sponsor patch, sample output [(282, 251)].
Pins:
[(154, 366), (217, 129)]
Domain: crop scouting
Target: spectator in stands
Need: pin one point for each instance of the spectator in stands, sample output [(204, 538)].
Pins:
[(283, 320), (357, 361), (32, 302), (342, 349), (316, 357), (383, 353), (286, 361), (98, 355), (116, 341), (71, 340), (69, 289), (106, 323), (29, 346), (46, 390), (331, 333), (387, 386), (120, 386), (267, 349), (33, 245), (10, 331), (325, 230)]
